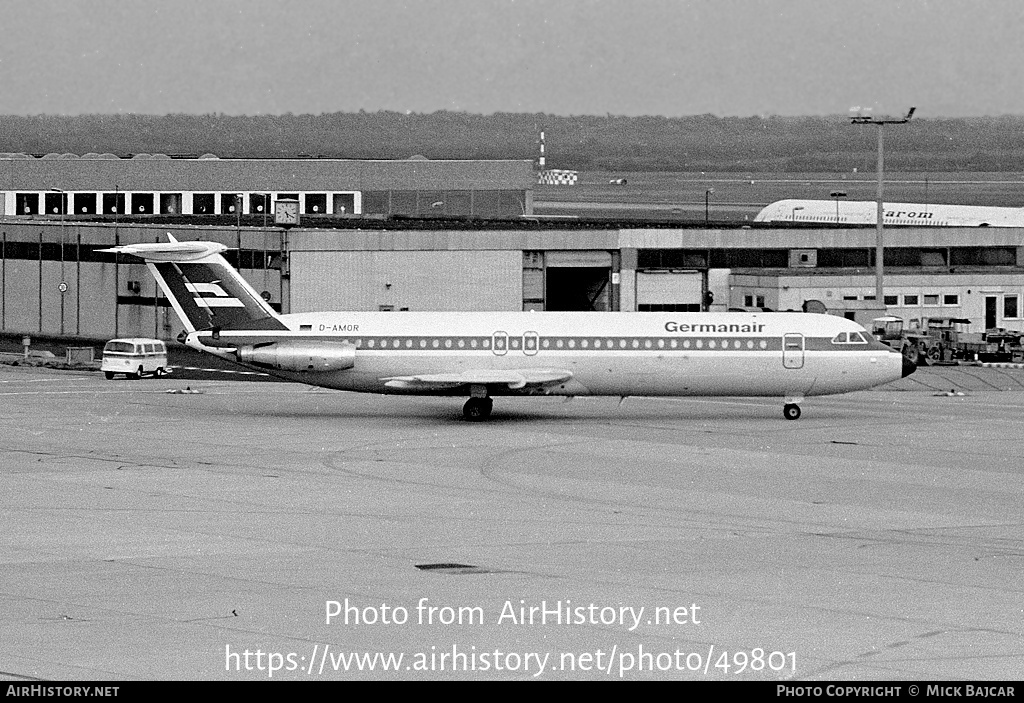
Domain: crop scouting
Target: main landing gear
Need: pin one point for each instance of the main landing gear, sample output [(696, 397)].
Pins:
[(477, 409), (791, 408)]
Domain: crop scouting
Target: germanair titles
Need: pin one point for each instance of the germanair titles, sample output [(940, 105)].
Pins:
[(672, 326)]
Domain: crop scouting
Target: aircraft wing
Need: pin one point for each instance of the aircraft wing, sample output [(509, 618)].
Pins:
[(514, 379)]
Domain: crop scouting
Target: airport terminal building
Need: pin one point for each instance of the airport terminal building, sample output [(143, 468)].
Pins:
[(417, 234), (54, 280)]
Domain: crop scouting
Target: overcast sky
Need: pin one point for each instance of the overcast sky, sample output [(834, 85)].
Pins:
[(624, 57)]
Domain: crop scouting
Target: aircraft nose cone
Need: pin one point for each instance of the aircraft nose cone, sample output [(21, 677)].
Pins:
[(909, 367)]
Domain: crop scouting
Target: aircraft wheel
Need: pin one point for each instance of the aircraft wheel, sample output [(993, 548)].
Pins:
[(477, 409), (109, 375), (791, 411)]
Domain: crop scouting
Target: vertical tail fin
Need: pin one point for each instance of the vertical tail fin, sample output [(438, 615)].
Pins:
[(205, 291)]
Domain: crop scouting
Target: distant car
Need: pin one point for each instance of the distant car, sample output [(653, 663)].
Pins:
[(618, 182), (134, 357)]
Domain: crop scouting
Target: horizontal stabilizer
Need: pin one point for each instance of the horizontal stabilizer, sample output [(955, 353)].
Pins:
[(170, 251), (514, 379)]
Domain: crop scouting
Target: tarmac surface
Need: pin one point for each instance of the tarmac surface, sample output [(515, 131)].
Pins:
[(150, 534)]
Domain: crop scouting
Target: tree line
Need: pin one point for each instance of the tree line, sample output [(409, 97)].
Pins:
[(585, 142)]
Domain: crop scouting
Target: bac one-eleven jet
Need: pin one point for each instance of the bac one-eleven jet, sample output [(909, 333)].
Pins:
[(485, 354)]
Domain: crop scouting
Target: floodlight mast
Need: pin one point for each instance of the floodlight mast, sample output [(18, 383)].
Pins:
[(879, 229)]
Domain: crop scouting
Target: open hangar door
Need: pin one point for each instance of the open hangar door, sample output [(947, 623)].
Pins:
[(578, 281), (669, 291)]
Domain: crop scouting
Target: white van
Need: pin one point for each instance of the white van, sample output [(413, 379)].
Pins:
[(134, 357)]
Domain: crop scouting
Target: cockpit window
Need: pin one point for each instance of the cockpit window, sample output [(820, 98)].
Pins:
[(849, 338)]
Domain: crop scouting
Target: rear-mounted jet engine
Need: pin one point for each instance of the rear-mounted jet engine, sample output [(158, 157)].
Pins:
[(298, 356)]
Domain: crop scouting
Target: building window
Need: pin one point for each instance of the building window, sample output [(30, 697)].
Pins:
[(375, 202), (892, 300), (316, 204), (911, 300), (229, 203), (486, 203), (951, 299), (1010, 308), (202, 204), (512, 203), (259, 203), (26, 203), (849, 297), (458, 202), (403, 202), (668, 307), (55, 203), (671, 258), (430, 202), (344, 203), (84, 203), (931, 299), (142, 203), (170, 203), (113, 203)]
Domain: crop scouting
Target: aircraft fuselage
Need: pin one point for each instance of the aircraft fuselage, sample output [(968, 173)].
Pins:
[(617, 354)]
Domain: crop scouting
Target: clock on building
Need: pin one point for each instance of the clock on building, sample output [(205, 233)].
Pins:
[(286, 212)]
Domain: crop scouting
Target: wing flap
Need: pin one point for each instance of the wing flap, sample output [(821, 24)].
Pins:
[(513, 379)]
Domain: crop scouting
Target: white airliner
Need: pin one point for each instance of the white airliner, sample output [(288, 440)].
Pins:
[(484, 354), (865, 212)]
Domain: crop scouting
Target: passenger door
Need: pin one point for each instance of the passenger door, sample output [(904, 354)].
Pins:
[(793, 350)]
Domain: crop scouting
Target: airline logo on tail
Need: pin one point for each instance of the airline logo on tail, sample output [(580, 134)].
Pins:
[(217, 296), (210, 294)]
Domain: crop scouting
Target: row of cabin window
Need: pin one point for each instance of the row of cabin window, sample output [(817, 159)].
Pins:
[(517, 343)]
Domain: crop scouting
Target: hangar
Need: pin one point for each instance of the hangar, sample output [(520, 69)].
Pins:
[(54, 280)]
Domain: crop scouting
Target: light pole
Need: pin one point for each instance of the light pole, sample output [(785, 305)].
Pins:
[(837, 194), (879, 228), (798, 207), (707, 205), (63, 286)]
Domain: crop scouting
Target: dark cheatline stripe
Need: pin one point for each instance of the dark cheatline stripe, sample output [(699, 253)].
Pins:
[(532, 344)]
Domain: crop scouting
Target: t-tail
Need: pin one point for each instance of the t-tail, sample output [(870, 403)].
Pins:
[(205, 291)]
